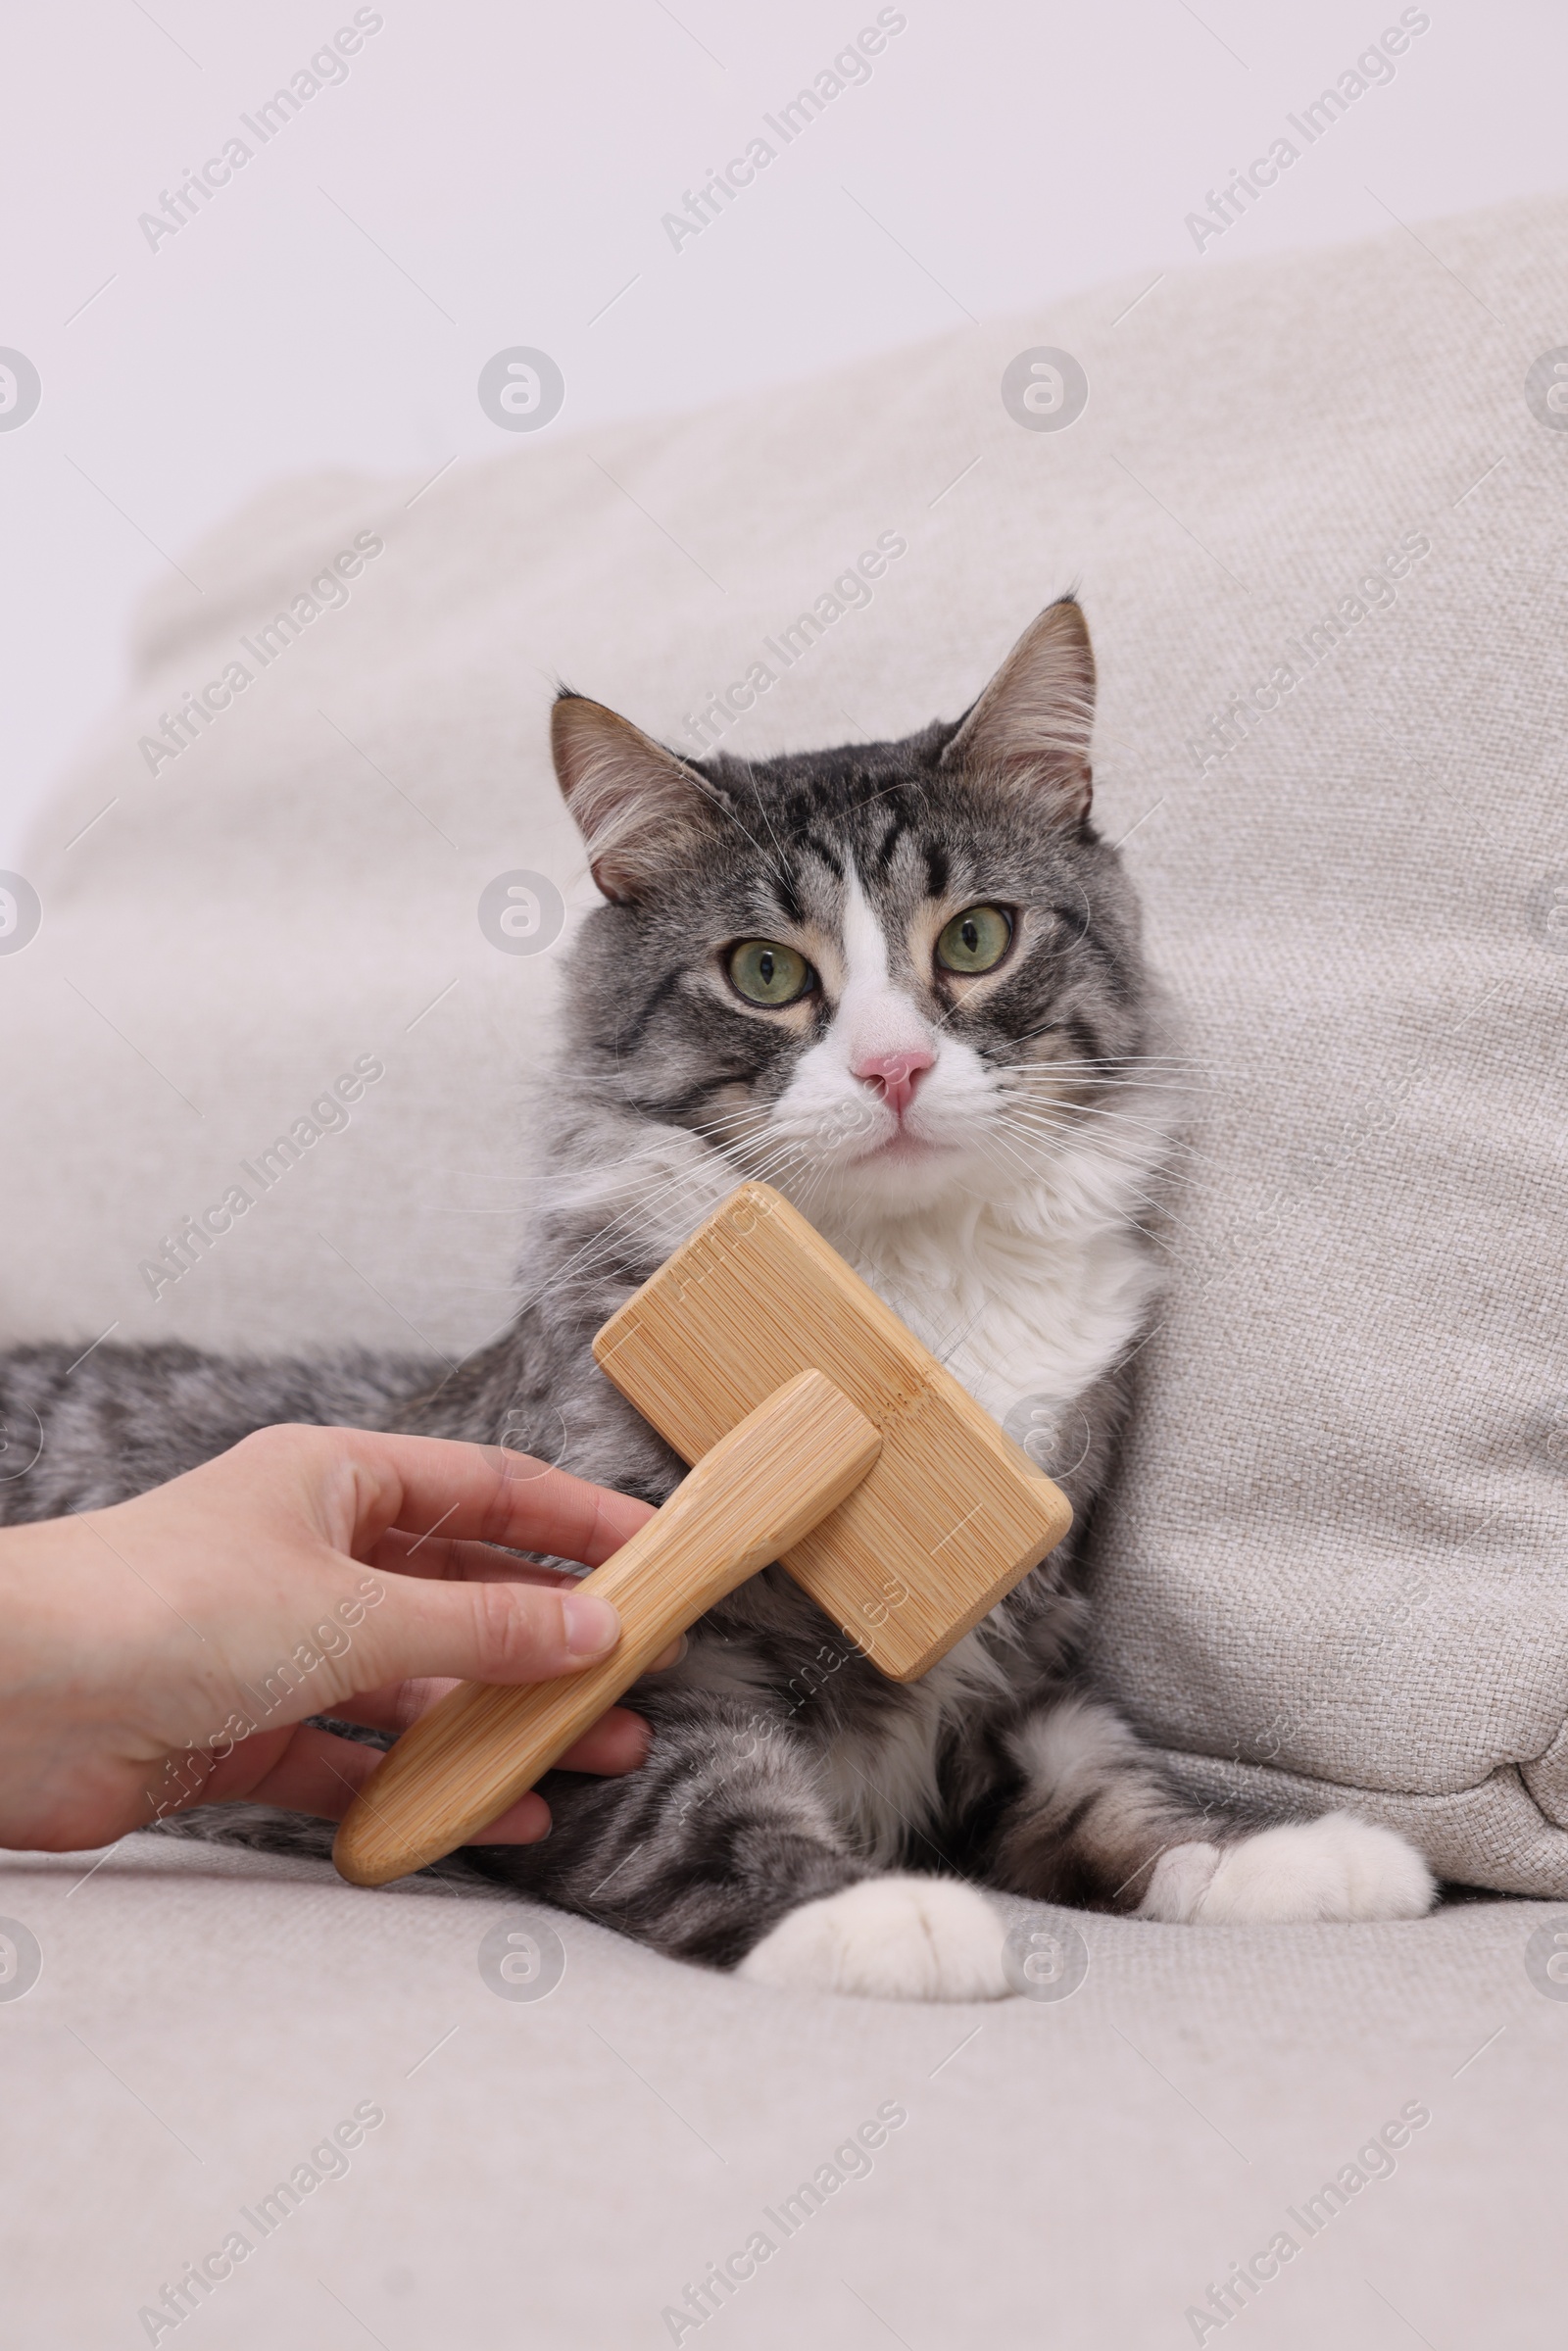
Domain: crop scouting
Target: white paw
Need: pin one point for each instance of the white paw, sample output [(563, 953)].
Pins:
[(1338, 1866), (1182, 1877), (889, 1939)]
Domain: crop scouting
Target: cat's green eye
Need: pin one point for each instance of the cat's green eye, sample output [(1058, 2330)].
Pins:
[(767, 973), (975, 940)]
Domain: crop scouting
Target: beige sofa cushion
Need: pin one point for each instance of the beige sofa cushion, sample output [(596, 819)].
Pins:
[(559, 2171), (1334, 1560)]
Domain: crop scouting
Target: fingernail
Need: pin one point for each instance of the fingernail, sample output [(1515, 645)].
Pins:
[(592, 1626)]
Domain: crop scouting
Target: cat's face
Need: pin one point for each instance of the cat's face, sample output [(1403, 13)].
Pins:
[(879, 976)]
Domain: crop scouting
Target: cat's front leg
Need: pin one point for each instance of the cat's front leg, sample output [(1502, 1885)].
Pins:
[(706, 1848), (723, 1850), (1094, 1822)]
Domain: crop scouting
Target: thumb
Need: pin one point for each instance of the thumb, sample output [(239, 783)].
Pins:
[(475, 1633)]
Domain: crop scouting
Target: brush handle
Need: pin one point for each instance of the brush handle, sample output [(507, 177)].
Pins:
[(761, 1488)]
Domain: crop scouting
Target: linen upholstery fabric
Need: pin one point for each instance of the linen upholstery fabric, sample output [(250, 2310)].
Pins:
[(1333, 1564), (555, 2172)]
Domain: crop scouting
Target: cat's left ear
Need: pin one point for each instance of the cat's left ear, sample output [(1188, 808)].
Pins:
[(1031, 725), (635, 804)]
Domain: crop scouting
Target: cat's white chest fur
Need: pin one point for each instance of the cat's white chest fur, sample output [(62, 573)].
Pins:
[(1029, 1303), (1029, 1300)]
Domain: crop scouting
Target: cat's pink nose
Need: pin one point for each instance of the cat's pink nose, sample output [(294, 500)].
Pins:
[(894, 1076)]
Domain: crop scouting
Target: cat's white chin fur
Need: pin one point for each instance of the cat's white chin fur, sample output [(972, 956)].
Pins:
[(888, 1938), (1338, 1866)]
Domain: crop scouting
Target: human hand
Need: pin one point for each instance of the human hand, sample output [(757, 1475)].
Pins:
[(165, 1652)]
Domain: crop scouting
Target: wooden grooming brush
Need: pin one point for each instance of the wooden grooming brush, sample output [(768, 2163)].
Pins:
[(821, 1434)]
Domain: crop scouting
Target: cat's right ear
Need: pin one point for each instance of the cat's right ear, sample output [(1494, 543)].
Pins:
[(1031, 726), (634, 803)]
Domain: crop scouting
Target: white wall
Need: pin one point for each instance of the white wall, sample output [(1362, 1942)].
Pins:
[(492, 175)]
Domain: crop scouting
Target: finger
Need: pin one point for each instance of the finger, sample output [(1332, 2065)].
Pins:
[(319, 1774), (399, 1704), (616, 1742), (443, 1560), (519, 1825), (299, 1767), (619, 1742), (429, 1486), (499, 1633), (229, 1778)]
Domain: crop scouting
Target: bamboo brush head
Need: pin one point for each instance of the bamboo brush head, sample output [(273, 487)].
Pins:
[(953, 1514)]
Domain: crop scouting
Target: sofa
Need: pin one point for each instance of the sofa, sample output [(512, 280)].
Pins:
[(1315, 510)]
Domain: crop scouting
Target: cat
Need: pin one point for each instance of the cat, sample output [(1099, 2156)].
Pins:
[(903, 982)]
